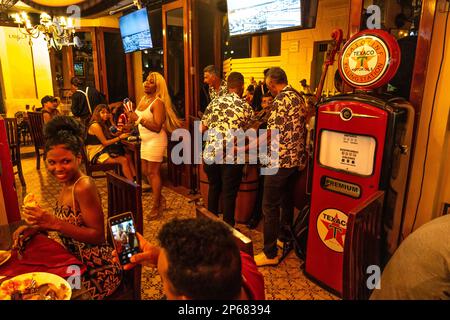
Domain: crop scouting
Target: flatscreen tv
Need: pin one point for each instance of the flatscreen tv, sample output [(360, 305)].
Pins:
[(79, 69), (135, 31), (262, 16)]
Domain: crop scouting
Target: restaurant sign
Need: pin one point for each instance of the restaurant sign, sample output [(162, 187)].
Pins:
[(369, 59), (332, 227), (342, 187)]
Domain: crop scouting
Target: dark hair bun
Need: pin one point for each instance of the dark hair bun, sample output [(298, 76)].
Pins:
[(63, 123)]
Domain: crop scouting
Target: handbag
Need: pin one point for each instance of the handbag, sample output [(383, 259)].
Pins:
[(115, 150)]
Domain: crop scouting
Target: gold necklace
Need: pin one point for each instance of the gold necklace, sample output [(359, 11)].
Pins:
[(147, 101)]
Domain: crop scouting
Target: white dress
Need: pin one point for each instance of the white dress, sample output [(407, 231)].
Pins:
[(153, 144)]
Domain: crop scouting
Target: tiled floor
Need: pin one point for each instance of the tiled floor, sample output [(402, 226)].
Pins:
[(284, 282)]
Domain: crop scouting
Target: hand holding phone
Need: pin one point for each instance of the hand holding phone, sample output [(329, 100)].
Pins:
[(128, 105), (148, 255), (124, 236)]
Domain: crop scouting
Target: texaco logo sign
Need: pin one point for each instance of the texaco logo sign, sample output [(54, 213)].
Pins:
[(365, 60), (332, 227), (369, 59)]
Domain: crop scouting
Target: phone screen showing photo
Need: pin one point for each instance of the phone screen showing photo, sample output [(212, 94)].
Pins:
[(124, 237)]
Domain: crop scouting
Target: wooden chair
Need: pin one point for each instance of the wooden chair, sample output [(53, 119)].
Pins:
[(362, 246), (36, 121), (91, 168), (12, 132), (23, 127), (126, 196), (244, 243)]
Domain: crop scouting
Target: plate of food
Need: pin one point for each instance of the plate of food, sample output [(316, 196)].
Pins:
[(4, 256), (35, 286)]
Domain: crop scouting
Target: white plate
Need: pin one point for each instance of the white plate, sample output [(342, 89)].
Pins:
[(3, 257), (22, 281)]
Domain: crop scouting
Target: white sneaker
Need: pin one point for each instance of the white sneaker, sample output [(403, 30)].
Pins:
[(280, 244), (262, 260)]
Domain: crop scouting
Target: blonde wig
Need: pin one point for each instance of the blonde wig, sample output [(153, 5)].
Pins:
[(172, 122)]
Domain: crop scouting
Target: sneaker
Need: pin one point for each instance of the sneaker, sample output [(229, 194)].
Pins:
[(262, 260), (146, 187), (280, 244)]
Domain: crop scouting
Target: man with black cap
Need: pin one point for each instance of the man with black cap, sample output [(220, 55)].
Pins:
[(49, 108), (84, 100)]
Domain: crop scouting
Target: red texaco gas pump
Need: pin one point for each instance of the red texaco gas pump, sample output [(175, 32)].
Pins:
[(360, 148)]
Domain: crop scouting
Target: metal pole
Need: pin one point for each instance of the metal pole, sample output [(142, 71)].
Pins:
[(34, 71)]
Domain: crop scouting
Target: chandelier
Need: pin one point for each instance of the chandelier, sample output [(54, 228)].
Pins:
[(7, 4), (57, 32)]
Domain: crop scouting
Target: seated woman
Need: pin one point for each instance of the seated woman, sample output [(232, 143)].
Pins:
[(101, 144), (78, 214)]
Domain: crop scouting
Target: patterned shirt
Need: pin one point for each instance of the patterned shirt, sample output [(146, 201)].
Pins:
[(222, 116), (213, 94), (289, 118)]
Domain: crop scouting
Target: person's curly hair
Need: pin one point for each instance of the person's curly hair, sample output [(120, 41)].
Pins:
[(204, 260), (64, 130)]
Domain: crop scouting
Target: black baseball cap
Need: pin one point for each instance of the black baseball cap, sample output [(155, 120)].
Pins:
[(46, 99)]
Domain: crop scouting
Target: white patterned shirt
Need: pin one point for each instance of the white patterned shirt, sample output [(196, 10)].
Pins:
[(289, 118), (222, 116)]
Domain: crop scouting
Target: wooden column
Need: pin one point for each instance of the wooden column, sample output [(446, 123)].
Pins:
[(255, 47), (264, 46), (422, 53), (355, 17)]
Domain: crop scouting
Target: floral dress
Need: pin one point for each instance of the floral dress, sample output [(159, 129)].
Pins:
[(103, 276)]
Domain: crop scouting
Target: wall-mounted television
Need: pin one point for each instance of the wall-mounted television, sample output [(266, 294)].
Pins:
[(135, 31), (246, 17)]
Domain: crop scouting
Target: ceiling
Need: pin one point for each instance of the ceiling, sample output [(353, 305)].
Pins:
[(88, 8), (58, 3)]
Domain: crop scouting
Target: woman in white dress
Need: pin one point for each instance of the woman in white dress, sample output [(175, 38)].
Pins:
[(156, 119)]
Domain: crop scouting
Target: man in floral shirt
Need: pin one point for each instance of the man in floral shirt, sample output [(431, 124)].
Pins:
[(217, 86), (222, 117), (288, 118)]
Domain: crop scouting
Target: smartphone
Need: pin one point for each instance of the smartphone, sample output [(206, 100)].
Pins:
[(124, 237)]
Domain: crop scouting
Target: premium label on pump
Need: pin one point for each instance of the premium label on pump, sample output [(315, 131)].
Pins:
[(342, 187), (369, 59), (332, 227)]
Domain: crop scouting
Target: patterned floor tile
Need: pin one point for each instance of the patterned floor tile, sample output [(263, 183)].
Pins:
[(283, 282)]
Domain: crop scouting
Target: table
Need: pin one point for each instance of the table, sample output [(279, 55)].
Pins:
[(134, 148), (6, 232)]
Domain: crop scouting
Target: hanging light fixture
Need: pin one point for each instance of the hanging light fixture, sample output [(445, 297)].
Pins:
[(57, 32), (7, 4)]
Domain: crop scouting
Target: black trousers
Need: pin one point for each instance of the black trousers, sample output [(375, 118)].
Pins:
[(278, 197), (257, 210), (224, 179)]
